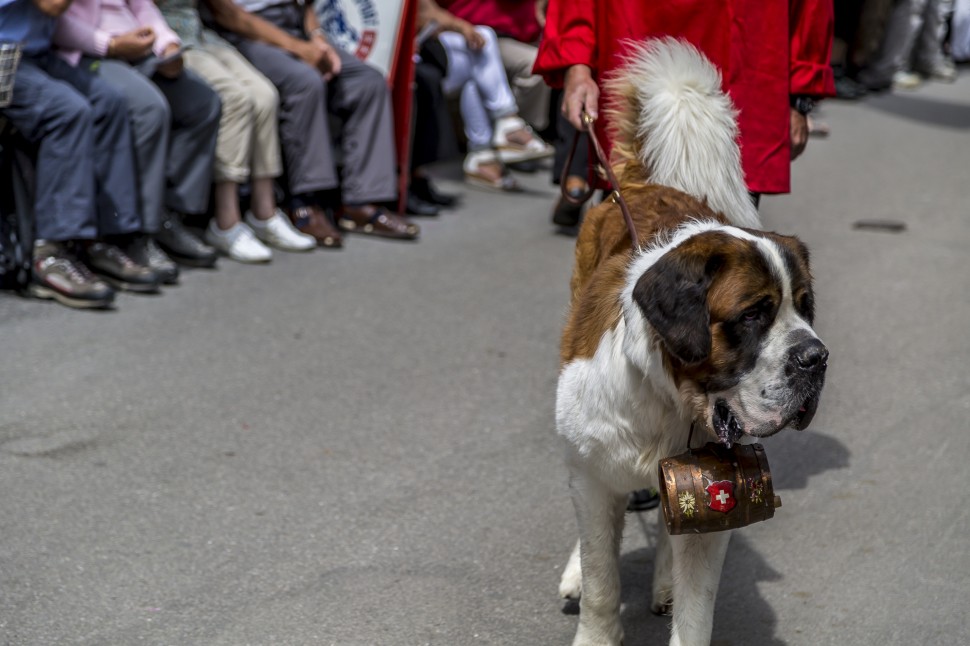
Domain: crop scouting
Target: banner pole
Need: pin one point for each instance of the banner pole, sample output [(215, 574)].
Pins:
[(401, 81)]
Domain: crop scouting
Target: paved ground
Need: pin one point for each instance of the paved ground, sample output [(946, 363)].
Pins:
[(356, 448)]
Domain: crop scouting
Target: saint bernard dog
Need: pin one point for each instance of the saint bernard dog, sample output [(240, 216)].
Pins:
[(708, 322)]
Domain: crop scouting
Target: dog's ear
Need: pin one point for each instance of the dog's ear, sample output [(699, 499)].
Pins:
[(672, 295)]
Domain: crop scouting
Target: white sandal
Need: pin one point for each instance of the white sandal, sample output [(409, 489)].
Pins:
[(472, 166), (511, 152)]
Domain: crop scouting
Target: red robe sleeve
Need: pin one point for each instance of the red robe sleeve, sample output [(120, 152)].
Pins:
[(810, 26), (569, 38)]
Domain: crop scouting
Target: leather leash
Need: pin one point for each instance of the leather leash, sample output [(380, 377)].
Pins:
[(610, 176)]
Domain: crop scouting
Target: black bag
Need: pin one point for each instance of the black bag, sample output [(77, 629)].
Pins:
[(16, 213)]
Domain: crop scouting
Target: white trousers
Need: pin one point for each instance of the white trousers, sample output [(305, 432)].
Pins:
[(480, 77)]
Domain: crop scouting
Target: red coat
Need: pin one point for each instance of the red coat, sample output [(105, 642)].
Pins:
[(765, 49), (513, 18)]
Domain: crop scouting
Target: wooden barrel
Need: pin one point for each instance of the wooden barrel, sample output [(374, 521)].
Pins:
[(716, 488)]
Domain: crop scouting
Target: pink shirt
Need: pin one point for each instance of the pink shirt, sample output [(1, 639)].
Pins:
[(88, 26)]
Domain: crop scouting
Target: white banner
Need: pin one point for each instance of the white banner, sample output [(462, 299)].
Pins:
[(366, 28)]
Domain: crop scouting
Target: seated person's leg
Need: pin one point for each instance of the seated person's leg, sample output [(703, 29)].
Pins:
[(513, 138), (482, 165), (247, 98), (431, 121), (359, 95), (195, 109), (530, 90), (150, 120), (305, 138), (119, 219), (60, 121)]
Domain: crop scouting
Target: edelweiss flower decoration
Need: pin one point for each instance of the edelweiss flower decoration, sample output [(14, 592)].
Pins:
[(687, 503)]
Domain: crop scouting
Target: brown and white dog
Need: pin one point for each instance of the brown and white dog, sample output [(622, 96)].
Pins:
[(709, 321)]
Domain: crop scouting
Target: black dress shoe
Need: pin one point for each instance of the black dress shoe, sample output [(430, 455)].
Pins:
[(567, 213), (846, 88), (118, 269), (423, 189), (182, 246), (416, 206), (145, 251)]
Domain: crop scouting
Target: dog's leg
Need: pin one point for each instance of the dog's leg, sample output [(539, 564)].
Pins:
[(571, 583), (600, 514), (698, 559), (663, 571)]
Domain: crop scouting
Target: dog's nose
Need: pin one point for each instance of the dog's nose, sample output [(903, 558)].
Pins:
[(810, 355)]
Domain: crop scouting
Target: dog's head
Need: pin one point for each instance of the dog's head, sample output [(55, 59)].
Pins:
[(730, 311)]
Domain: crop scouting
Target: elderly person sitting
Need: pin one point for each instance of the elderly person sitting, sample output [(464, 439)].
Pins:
[(248, 147)]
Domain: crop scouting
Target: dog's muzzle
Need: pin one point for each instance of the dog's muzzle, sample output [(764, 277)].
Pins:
[(806, 367)]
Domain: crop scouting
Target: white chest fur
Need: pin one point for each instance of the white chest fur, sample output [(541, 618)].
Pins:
[(616, 420)]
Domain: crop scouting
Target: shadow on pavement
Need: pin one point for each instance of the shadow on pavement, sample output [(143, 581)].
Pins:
[(925, 109), (797, 455), (742, 615)]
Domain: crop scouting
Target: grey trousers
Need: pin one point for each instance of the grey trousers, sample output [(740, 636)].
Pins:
[(174, 124), (85, 171), (359, 99), (913, 40)]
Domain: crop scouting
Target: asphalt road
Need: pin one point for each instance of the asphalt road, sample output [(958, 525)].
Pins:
[(357, 447)]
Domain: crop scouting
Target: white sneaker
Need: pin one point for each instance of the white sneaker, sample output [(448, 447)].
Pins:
[(511, 152), (238, 243), (903, 80), (279, 233), (943, 71)]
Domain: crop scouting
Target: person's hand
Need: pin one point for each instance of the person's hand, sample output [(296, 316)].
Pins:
[(320, 55), (329, 63), (172, 68), (799, 133), (474, 39), (580, 94), (133, 45)]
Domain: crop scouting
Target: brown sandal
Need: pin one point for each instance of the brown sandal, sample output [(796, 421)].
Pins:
[(315, 222), (377, 221)]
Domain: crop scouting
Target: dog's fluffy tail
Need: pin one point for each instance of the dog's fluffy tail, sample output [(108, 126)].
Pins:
[(671, 117)]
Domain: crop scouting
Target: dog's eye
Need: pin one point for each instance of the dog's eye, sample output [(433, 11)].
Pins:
[(757, 313)]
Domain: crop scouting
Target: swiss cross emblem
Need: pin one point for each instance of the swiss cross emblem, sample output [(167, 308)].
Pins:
[(722, 496)]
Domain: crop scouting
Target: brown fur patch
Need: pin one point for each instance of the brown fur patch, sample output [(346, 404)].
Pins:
[(742, 282), (604, 251)]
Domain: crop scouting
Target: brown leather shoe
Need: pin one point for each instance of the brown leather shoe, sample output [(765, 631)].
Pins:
[(377, 221), (313, 221)]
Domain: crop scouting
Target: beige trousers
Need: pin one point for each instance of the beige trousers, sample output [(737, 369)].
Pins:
[(248, 143), (531, 92)]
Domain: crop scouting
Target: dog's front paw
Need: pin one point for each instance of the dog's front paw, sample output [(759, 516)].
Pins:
[(571, 583), (597, 635)]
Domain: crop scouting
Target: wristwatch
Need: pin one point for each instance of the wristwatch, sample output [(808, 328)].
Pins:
[(802, 103)]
